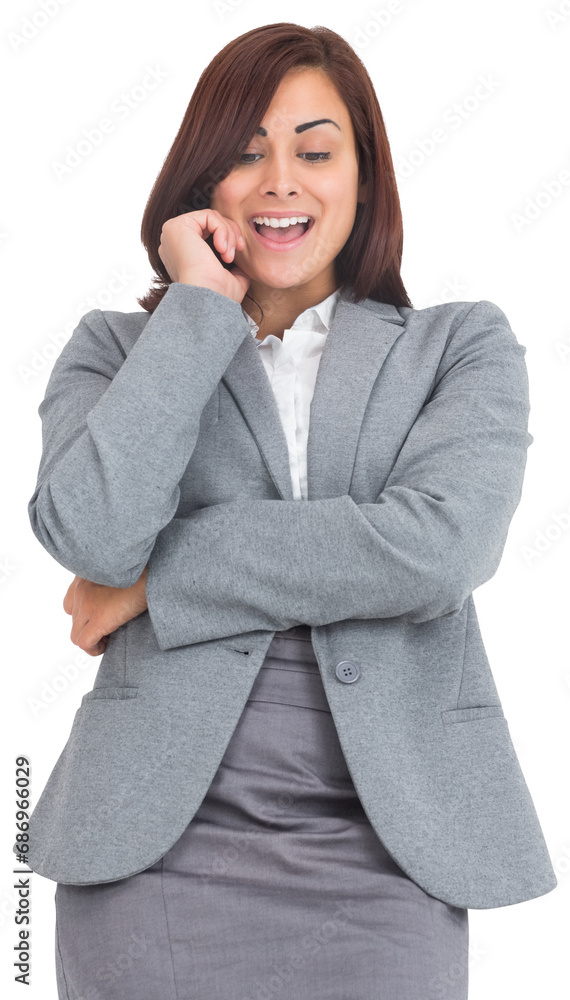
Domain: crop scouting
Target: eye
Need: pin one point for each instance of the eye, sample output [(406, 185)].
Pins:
[(324, 156)]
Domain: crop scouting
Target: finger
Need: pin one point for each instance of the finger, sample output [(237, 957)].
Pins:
[(99, 648), (238, 240), (69, 597), (235, 243), (89, 638), (221, 237), (223, 234), (235, 240), (95, 650)]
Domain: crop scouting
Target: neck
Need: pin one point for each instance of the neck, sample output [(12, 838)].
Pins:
[(282, 306)]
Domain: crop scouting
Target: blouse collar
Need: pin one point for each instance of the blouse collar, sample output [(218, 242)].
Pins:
[(316, 318)]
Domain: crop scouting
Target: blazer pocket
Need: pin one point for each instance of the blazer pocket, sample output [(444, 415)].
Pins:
[(111, 693), (453, 715)]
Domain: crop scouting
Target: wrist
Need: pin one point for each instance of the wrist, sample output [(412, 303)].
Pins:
[(198, 283)]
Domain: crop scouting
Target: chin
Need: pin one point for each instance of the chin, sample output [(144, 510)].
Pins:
[(279, 277)]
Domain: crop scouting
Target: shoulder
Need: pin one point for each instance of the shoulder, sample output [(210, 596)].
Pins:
[(452, 325), (453, 314), (122, 328), (449, 336), (101, 341), (444, 316)]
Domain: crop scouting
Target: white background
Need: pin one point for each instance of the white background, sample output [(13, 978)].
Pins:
[(470, 232)]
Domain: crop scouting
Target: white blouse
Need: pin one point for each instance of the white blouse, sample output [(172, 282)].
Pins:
[(291, 365)]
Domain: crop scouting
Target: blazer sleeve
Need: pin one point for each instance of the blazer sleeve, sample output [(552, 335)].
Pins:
[(118, 430), (435, 532)]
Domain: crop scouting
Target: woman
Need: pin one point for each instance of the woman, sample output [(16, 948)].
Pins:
[(293, 774)]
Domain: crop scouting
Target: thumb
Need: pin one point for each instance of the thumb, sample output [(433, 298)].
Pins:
[(242, 278)]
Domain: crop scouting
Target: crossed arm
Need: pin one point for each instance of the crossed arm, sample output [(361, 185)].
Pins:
[(98, 610), (436, 531)]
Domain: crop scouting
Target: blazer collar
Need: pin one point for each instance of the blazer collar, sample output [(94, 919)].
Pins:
[(355, 349)]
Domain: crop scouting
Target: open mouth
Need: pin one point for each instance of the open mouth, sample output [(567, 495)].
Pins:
[(281, 237)]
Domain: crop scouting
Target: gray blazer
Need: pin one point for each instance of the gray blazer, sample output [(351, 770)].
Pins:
[(162, 444)]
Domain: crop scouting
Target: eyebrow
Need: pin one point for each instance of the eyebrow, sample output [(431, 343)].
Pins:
[(304, 127)]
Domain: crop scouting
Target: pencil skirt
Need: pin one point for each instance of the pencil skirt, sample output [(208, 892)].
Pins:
[(279, 886)]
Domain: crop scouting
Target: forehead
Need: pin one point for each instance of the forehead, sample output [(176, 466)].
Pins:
[(306, 95)]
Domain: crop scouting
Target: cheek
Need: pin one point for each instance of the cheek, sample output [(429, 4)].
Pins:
[(340, 193), (216, 202), (341, 220), (219, 198), (229, 194)]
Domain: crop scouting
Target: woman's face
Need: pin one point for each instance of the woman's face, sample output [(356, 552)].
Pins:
[(278, 174)]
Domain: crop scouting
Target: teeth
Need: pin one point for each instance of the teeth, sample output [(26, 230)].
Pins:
[(279, 223)]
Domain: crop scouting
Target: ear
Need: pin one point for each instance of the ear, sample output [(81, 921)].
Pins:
[(362, 194)]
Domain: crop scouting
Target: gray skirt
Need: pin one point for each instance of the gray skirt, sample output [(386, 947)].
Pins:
[(279, 887)]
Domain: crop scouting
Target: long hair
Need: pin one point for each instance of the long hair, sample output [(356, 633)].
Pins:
[(225, 110)]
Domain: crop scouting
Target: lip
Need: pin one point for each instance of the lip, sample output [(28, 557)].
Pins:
[(273, 244), (280, 215)]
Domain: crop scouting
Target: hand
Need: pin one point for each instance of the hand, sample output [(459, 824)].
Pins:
[(188, 258), (98, 610)]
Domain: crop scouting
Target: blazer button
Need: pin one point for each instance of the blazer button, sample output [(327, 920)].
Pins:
[(347, 671)]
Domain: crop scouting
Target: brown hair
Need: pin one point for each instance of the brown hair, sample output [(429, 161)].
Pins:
[(233, 93)]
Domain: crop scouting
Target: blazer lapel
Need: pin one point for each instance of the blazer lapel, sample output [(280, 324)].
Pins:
[(355, 349)]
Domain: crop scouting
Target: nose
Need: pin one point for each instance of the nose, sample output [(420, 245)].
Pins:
[(279, 178)]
